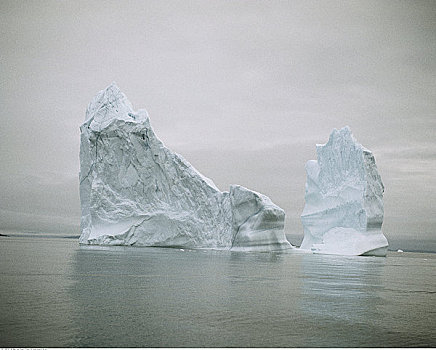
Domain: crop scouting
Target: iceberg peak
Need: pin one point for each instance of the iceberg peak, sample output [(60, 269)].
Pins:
[(107, 105), (344, 134)]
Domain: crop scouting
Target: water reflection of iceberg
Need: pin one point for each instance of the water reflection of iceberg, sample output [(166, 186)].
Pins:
[(344, 294), (154, 297)]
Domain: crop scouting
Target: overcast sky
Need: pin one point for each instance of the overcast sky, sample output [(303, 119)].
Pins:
[(242, 89)]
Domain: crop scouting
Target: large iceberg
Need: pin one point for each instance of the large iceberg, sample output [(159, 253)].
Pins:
[(343, 213), (135, 191)]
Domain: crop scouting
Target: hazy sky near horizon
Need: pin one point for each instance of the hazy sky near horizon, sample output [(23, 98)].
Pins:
[(242, 89)]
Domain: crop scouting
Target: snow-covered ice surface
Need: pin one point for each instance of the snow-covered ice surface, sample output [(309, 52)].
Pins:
[(135, 191), (343, 213)]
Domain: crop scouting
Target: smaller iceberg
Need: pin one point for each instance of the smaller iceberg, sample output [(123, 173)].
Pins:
[(343, 213)]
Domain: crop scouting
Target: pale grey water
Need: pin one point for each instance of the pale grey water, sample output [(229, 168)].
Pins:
[(57, 294)]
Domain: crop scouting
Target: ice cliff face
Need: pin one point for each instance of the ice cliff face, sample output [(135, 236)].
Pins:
[(344, 199), (135, 191)]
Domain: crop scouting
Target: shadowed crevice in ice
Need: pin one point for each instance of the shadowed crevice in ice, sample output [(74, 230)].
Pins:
[(344, 199), (135, 191)]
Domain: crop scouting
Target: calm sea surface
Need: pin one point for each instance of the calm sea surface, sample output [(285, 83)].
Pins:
[(54, 293)]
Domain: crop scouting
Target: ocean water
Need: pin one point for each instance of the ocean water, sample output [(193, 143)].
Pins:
[(55, 293)]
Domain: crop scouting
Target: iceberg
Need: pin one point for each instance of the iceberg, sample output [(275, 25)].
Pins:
[(343, 213), (135, 191)]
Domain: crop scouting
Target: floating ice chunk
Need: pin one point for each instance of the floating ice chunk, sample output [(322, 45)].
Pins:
[(343, 213), (135, 191), (400, 251)]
